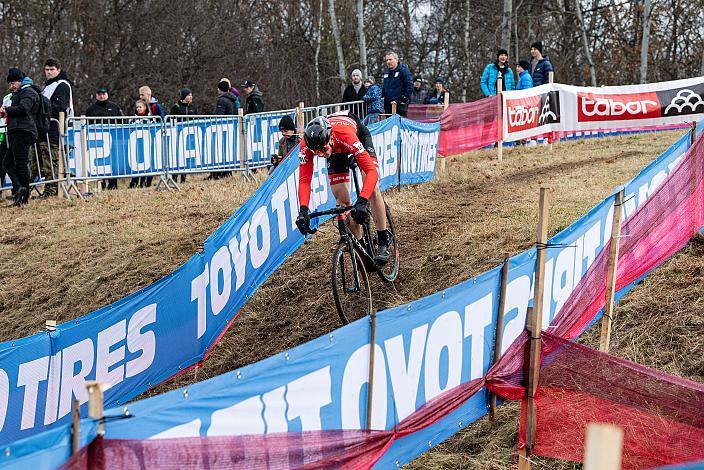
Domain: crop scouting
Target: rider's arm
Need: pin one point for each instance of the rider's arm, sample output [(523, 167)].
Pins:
[(371, 174), (305, 176)]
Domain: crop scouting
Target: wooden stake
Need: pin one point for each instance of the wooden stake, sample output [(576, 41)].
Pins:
[(500, 143), (62, 171), (300, 124), (370, 383), (75, 425), (603, 447), (393, 107), (447, 99), (95, 402), (534, 317), (611, 269), (499, 336), (523, 461), (551, 76), (693, 133)]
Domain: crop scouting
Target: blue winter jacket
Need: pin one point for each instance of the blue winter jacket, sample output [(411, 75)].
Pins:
[(491, 75), (398, 84), (375, 103), (540, 72), (524, 81)]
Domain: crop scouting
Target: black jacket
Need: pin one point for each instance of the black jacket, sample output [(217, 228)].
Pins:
[(60, 102), (183, 109), (20, 114), (226, 105), (351, 94), (254, 102), (103, 109)]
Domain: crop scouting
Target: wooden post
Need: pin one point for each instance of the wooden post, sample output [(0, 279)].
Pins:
[(534, 320), (243, 140), (499, 336), (95, 402), (500, 143), (370, 383), (603, 447), (551, 76), (62, 170), (693, 133), (611, 269), (393, 107), (447, 99), (300, 119), (75, 425)]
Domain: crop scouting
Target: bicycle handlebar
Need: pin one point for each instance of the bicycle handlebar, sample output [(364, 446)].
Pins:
[(335, 211)]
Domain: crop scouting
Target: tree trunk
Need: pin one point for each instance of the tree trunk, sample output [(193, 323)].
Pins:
[(506, 25), (644, 42), (585, 42), (701, 70), (318, 39), (466, 50), (338, 46), (361, 37)]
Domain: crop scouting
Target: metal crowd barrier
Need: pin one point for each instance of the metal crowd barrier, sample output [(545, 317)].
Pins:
[(262, 134), (357, 108)]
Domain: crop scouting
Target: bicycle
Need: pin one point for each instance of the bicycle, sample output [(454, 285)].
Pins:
[(352, 259)]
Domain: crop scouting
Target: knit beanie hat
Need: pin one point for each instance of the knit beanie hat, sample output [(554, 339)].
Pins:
[(14, 75), (223, 86), (538, 45), (356, 72), (183, 92), (286, 124), (501, 51), (525, 65)]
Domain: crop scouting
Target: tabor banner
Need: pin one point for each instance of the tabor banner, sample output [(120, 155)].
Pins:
[(422, 349), (157, 332), (565, 108)]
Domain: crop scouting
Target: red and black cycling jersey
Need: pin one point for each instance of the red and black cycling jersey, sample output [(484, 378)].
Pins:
[(345, 141)]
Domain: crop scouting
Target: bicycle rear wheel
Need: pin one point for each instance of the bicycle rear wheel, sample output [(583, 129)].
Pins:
[(350, 285), (389, 271)]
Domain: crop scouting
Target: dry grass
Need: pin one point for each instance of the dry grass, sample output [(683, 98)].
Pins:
[(85, 255)]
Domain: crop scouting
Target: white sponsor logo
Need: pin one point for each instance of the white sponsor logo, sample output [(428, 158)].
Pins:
[(685, 99), (610, 107), (522, 115), (545, 113)]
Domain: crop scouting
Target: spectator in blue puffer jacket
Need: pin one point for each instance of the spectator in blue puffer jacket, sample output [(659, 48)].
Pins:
[(374, 101), (398, 84), (540, 66), (493, 72), (524, 79)]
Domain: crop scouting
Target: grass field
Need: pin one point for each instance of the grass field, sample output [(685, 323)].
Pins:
[(61, 259)]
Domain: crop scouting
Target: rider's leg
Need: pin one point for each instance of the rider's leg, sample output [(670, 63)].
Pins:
[(341, 192), (378, 210)]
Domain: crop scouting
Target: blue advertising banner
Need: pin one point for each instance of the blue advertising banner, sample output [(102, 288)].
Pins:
[(203, 143), (419, 150), (157, 332)]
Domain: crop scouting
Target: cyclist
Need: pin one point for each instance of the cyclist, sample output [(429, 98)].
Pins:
[(337, 139)]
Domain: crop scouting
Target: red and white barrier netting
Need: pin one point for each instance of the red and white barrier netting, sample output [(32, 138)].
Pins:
[(661, 414)]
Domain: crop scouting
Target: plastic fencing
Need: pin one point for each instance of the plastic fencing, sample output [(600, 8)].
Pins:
[(470, 126)]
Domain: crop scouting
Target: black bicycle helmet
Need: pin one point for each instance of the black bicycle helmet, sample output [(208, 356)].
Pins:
[(317, 133)]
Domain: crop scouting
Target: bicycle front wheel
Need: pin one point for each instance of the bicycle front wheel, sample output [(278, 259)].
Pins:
[(350, 285)]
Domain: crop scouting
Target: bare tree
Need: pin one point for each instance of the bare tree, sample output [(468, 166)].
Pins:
[(701, 70), (318, 40), (506, 25), (585, 41), (466, 47), (338, 45), (361, 37), (644, 42)]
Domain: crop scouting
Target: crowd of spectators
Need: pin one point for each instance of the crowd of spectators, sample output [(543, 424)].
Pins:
[(29, 150)]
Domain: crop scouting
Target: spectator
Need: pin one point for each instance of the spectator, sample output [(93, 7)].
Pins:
[(540, 66), (141, 108), (6, 101), (58, 88), (398, 85), (492, 73), (524, 79), (184, 106), (104, 108), (234, 91), (418, 94), (355, 91), (254, 103), (155, 108), (227, 102), (288, 141), (438, 95), (21, 132), (374, 101)]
